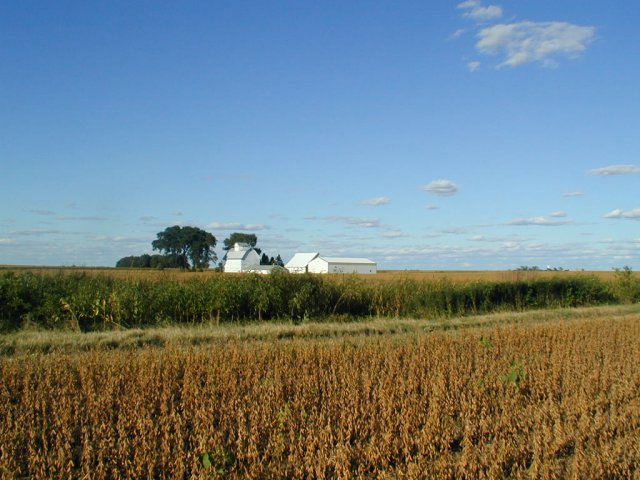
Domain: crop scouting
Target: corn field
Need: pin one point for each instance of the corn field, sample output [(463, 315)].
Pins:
[(86, 302), (552, 400)]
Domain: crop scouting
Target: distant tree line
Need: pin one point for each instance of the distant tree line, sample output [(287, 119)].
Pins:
[(148, 261)]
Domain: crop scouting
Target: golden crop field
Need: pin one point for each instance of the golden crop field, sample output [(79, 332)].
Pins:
[(552, 399)]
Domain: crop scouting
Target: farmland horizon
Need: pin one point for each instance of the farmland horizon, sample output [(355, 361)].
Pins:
[(444, 135)]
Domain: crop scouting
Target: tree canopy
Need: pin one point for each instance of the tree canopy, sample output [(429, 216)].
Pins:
[(186, 244), (236, 237)]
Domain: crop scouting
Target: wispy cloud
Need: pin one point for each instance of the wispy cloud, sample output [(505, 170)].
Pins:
[(376, 201), (614, 170), (352, 221), (454, 230), (539, 221), (628, 214), (457, 34), (35, 232), (45, 213), (393, 234), (528, 42), (237, 226), (473, 66), (87, 218), (573, 194), (559, 214), (358, 222), (441, 187), (475, 10), (431, 206)]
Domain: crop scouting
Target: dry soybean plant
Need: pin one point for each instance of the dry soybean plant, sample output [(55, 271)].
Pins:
[(553, 400)]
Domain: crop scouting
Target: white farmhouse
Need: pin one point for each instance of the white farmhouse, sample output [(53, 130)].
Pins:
[(241, 258), (341, 265), (300, 262)]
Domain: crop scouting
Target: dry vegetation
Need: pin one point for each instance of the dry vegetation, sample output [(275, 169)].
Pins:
[(552, 399)]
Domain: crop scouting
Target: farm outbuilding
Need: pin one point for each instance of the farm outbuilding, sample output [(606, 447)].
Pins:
[(241, 258), (341, 265), (300, 262)]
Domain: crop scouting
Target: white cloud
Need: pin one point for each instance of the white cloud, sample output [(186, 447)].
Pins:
[(629, 214), (539, 221), (376, 201), (527, 42), (473, 66), (475, 10), (441, 187), (559, 214), (431, 206), (614, 170), (237, 226), (573, 194)]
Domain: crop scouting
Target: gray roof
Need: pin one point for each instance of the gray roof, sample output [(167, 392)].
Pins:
[(237, 255)]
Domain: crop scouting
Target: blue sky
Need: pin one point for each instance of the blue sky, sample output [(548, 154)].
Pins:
[(423, 135)]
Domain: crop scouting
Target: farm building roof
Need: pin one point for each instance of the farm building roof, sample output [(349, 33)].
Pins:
[(237, 255), (348, 260), (301, 260)]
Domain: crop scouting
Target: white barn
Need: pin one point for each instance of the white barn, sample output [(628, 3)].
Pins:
[(341, 265), (242, 258), (300, 262)]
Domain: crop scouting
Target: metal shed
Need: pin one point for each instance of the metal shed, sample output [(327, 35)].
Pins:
[(342, 265)]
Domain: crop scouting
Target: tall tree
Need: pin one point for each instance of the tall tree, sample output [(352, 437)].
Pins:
[(187, 243), (236, 237)]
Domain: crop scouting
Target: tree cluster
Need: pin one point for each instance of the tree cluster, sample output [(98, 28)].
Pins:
[(191, 247), (148, 261), (180, 247)]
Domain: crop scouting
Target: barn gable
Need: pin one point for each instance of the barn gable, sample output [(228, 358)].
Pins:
[(241, 258)]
